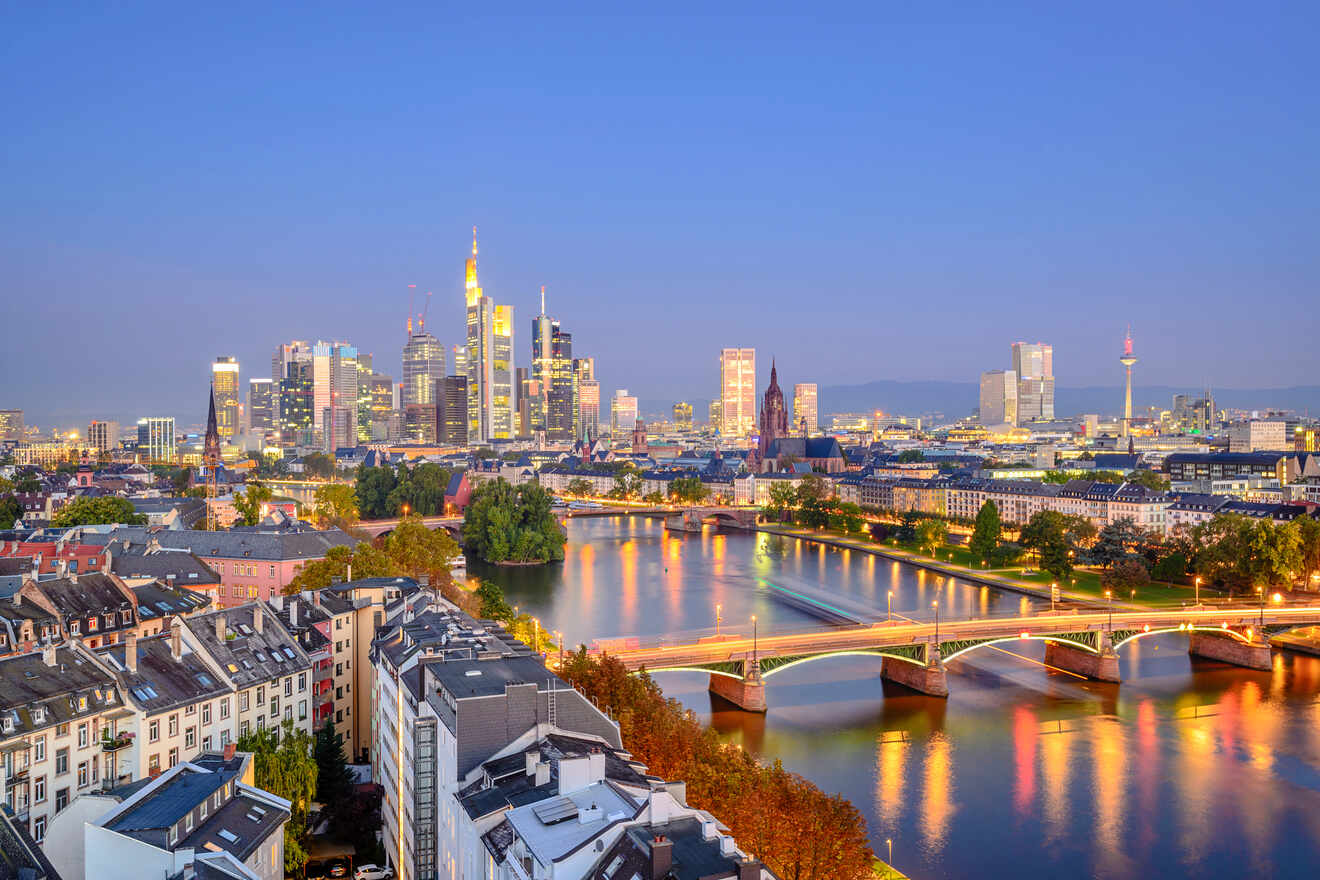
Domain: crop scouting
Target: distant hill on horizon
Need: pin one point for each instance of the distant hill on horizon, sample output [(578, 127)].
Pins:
[(957, 399)]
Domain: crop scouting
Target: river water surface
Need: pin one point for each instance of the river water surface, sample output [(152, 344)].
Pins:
[(1190, 768)]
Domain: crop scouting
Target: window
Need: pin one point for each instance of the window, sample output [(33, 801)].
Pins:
[(272, 571), (92, 624), (174, 724), (288, 713), (261, 695), (126, 616), (190, 738), (339, 715), (39, 749), (224, 708), (61, 761), (242, 729), (224, 738), (153, 764), (302, 710), (243, 701), (61, 799), (339, 669), (82, 735), (339, 693), (206, 713), (61, 730), (302, 682), (206, 743), (74, 627), (174, 756), (288, 687), (39, 829), (96, 768), (274, 706), (153, 730), (339, 623), (82, 774), (190, 709), (39, 790)]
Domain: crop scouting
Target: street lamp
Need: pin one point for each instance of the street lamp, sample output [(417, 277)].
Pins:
[(405, 510), (718, 618), (753, 638), (1109, 597), (1261, 590), (1198, 591), (936, 606), (889, 607), (1054, 591)]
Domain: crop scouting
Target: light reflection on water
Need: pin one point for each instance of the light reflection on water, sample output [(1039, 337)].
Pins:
[(1187, 769)]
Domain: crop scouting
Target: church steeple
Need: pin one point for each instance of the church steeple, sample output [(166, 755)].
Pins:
[(211, 445)]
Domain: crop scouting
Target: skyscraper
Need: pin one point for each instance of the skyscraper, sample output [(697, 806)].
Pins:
[(683, 415), (999, 401), (552, 371), (452, 420), (737, 391), (155, 439), (423, 366), (623, 413), (489, 359), (224, 381), (587, 426), (296, 400), (1033, 363), (11, 426), (285, 354), (806, 419), (261, 405)]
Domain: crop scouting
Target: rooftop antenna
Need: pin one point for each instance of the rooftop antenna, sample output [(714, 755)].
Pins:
[(543, 299)]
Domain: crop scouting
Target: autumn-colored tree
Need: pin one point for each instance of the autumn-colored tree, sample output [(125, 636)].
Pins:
[(340, 564), (282, 764), (336, 503)]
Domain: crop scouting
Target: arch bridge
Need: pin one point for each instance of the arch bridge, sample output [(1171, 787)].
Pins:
[(914, 653), (690, 519), (378, 527)]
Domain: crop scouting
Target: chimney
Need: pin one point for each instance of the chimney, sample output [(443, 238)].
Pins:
[(220, 634), (230, 749), (169, 580), (749, 869), (533, 758), (293, 612), (277, 602), (176, 639), (130, 651), (662, 856), (542, 773), (61, 568), (257, 617), (48, 653), (105, 562)]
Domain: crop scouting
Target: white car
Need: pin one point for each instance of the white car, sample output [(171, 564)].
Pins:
[(373, 872)]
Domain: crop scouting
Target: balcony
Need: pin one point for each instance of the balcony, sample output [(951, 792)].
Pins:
[(118, 741)]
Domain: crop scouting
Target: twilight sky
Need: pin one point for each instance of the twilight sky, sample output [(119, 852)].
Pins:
[(892, 191)]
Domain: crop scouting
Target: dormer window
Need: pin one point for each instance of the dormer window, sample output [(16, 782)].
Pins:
[(7, 724), (74, 627), (126, 616), (91, 624)]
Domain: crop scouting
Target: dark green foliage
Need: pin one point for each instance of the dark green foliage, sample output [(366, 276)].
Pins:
[(508, 524), (319, 464), (93, 511), (334, 781), (688, 490), (985, 535), (1172, 568), (1117, 541)]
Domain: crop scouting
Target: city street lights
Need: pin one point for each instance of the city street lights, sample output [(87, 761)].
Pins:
[(753, 638), (718, 618), (1054, 592), (889, 607), (404, 509), (1109, 597), (1198, 591), (1261, 590)]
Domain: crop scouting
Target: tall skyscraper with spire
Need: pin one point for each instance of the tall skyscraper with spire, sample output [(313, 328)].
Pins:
[(489, 361), (1127, 360), (553, 377)]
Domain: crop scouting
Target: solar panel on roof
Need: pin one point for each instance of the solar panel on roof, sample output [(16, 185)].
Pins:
[(556, 810)]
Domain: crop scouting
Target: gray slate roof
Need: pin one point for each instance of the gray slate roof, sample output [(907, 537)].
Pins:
[(249, 657)]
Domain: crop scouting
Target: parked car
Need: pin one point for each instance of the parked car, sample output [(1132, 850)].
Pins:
[(373, 872), (338, 868)]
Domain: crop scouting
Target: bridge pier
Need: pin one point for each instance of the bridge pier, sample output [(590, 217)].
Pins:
[(681, 522), (747, 693), (1229, 649), (928, 679), (1101, 666)]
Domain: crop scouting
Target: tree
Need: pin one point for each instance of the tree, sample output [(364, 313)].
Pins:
[(319, 464), (783, 498), (95, 511), (909, 456), (688, 490), (373, 486), (626, 485), (1056, 556), (985, 534), (579, 487), (1059, 477), (415, 550), (27, 483), (248, 502), (334, 781), (283, 765), (907, 529), (1308, 548), (10, 511), (814, 487), (341, 563), (1149, 479), (1125, 576), (422, 489), (508, 524), (1275, 553), (336, 503), (1108, 477), (1171, 568), (1117, 541), (931, 534), (180, 478)]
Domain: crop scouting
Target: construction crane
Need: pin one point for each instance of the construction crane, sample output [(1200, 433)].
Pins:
[(412, 289), (421, 319)]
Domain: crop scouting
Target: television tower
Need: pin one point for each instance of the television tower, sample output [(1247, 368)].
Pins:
[(1127, 360)]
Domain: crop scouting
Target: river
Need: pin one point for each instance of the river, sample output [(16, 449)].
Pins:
[(1190, 768)]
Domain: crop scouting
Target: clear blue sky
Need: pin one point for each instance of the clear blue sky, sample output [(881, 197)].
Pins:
[(889, 191)]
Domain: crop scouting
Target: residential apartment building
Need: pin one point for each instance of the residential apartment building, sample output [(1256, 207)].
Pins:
[(270, 671)]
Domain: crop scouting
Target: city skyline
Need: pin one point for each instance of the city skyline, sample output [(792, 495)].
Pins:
[(951, 167)]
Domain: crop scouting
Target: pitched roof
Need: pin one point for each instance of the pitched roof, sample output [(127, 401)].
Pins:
[(248, 655)]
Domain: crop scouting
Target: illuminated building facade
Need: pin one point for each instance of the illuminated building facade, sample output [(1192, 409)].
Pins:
[(224, 379), (296, 399), (999, 403), (1033, 363), (451, 417), (737, 391), (623, 412), (806, 417), (155, 439), (103, 436), (11, 426), (423, 366), (683, 415), (261, 405), (587, 425), (489, 359)]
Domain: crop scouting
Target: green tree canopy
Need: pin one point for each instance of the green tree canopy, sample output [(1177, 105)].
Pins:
[(336, 503), (1119, 540), (248, 502), (334, 781), (579, 487), (362, 561), (415, 550), (97, 511), (688, 490), (283, 765), (373, 486), (985, 535), (508, 524), (319, 464), (1149, 479)]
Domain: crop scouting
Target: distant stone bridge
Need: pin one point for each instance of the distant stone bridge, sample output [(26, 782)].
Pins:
[(913, 653), (690, 519)]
